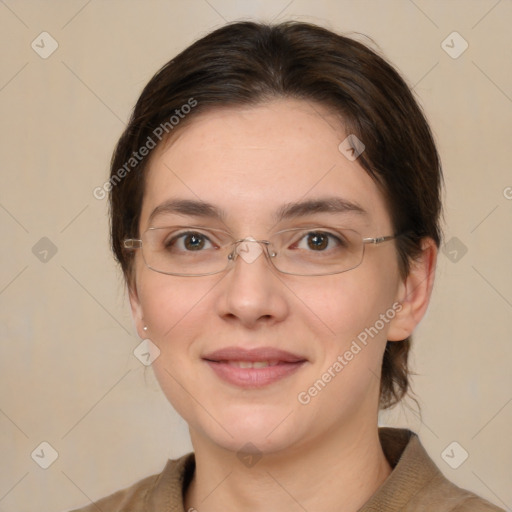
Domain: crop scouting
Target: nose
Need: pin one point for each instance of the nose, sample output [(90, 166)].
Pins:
[(249, 249), (251, 293)]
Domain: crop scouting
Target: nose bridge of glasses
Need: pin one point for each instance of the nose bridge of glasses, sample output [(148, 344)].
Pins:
[(249, 249)]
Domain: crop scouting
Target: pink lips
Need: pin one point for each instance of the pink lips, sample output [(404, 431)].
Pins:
[(225, 363)]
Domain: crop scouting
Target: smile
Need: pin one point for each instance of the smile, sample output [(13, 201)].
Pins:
[(253, 368), (253, 374), (251, 364)]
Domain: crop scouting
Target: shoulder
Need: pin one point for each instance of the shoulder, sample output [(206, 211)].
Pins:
[(476, 504), (416, 484), (125, 499), (156, 492), (442, 495)]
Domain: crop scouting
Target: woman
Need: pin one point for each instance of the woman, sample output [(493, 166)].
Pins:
[(275, 206)]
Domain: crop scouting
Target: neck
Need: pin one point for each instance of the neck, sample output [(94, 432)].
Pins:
[(339, 472)]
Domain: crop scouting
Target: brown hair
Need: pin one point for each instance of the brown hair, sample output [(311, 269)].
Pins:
[(247, 63)]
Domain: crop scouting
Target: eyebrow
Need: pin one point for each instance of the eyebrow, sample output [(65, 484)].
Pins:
[(197, 208), (320, 205), (188, 207)]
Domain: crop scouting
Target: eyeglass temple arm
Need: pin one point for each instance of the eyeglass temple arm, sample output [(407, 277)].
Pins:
[(132, 243), (379, 239)]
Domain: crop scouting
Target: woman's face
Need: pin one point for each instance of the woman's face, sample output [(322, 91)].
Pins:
[(250, 163)]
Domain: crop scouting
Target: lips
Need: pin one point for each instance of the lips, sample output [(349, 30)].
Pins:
[(253, 355), (253, 368)]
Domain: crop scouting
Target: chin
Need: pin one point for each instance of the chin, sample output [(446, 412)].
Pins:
[(268, 433), (255, 443)]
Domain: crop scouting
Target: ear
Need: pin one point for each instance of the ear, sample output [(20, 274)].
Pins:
[(137, 315), (414, 293)]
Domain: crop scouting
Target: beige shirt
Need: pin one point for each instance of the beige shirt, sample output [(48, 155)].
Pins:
[(415, 484)]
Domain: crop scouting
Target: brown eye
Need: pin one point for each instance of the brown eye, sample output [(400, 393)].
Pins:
[(189, 241), (317, 241), (194, 242), (320, 242)]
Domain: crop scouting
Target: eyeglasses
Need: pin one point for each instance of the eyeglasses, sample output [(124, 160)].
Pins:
[(304, 251)]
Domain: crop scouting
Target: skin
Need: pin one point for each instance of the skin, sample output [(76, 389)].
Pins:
[(323, 455)]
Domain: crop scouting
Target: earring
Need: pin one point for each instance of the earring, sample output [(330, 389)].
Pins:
[(145, 328)]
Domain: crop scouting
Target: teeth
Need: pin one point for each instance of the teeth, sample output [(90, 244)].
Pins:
[(261, 364), (251, 364)]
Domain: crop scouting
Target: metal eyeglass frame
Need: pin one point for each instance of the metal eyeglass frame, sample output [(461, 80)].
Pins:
[(136, 243)]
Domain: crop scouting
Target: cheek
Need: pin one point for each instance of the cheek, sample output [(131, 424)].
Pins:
[(351, 352), (175, 310), (351, 315), (172, 304), (338, 307)]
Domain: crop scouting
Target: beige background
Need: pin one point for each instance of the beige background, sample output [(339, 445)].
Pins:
[(68, 373)]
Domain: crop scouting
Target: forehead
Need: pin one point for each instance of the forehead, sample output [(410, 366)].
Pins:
[(251, 161)]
